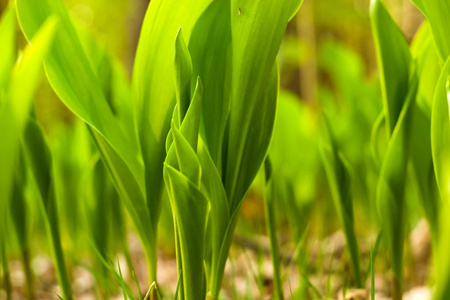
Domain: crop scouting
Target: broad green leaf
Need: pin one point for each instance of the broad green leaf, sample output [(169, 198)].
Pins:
[(440, 132), (112, 78), (391, 183), (428, 67), (253, 94), (340, 178), (8, 42), (393, 58), (154, 86), (14, 111), (210, 48), (190, 209), (71, 76), (428, 70), (248, 143), (129, 191), (254, 87), (437, 13)]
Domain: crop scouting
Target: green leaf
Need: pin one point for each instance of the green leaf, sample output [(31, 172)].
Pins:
[(40, 160), (222, 257), (393, 61), (391, 183), (428, 67), (190, 209), (189, 127), (422, 163), (253, 94), (440, 133), (112, 78), (210, 48), (271, 227), (254, 87), (249, 138), (14, 111), (187, 158), (7, 51), (399, 85), (428, 70), (71, 76), (154, 86), (130, 192), (19, 211), (339, 178), (437, 13), (191, 123), (379, 139), (212, 188), (183, 75)]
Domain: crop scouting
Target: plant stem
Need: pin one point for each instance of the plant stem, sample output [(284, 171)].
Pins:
[(6, 278), (396, 289), (28, 274), (269, 207), (151, 255), (219, 265), (55, 241)]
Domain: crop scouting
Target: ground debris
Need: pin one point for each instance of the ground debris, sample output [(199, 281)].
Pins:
[(418, 293), (355, 294)]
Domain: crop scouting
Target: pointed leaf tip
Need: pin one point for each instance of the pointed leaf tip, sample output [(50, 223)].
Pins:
[(183, 74)]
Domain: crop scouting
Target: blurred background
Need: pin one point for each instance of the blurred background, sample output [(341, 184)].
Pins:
[(319, 24)]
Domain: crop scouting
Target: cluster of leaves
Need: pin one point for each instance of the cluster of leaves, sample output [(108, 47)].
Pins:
[(217, 136), (409, 139)]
